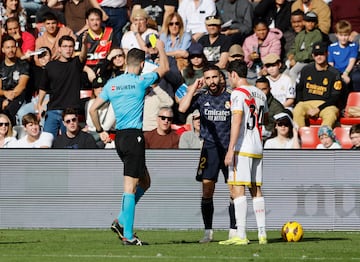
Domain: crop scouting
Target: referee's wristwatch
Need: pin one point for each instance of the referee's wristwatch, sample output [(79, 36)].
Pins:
[(99, 130)]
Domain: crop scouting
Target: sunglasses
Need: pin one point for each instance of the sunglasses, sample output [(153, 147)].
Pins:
[(212, 17), (169, 118), (71, 120), (283, 124), (196, 118), (174, 23), (270, 65), (237, 56), (4, 124), (195, 56), (119, 55), (317, 54)]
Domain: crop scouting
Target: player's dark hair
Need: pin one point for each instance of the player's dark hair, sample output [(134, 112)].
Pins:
[(297, 12), (69, 111), (95, 11), (238, 67), (66, 38), (209, 67), (49, 16), (354, 129), (7, 38), (135, 56), (48, 50), (263, 79)]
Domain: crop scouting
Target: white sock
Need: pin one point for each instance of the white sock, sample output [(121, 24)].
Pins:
[(240, 204), (259, 210)]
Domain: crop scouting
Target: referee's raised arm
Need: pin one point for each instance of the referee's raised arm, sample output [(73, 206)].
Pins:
[(164, 62)]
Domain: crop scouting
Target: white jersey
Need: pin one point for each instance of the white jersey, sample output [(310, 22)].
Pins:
[(251, 101), (282, 88), (45, 140)]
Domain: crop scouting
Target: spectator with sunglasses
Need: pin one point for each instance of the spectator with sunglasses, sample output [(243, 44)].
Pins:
[(191, 139), (285, 134), (73, 137), (34, 137), (162, 137), (7, 135)]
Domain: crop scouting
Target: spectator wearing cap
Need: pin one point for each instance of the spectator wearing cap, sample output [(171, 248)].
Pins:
[(237, 16), (327, 139), (320, 8), (194, 14), (216, 45), (318, 89), (136, 36), (282, 87), (300, 53), (191, 139), (236, 53), (285, 134), (196, 60)]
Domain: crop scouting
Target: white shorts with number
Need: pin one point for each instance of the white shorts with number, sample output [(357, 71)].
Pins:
[(245, 171)]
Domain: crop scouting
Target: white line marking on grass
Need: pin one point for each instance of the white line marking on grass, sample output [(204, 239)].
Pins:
[(159, 256)]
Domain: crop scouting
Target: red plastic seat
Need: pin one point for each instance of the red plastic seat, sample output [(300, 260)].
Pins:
[(309, 137), (352, 100), (342, 134), (315, 121)]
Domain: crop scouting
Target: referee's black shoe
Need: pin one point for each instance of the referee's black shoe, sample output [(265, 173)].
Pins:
[(117, 229), (134, 242)]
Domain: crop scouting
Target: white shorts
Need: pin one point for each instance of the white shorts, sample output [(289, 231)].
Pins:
[(245, 171)]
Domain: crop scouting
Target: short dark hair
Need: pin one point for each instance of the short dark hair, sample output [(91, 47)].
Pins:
[(10, 20), (135, 56), (30, 118), (298, 12), (7, 38), (209, 67), (66, 38), (49, 16), (95, 11), (354, 129), (263, 79), (69, 111), (48, 50), (239, 67)]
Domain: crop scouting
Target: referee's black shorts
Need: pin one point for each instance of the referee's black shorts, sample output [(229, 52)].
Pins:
[(130, 146)]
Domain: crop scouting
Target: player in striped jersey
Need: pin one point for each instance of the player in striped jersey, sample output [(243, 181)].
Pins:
[(244, 156)]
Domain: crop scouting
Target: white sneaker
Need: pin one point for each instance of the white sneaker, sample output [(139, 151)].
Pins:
[(208, 236), (232, 233)]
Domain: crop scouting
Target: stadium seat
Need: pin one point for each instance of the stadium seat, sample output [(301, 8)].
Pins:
[(352, 100), (342, 135), (315, 121), (85, 94), (180, 128), (308, 136)]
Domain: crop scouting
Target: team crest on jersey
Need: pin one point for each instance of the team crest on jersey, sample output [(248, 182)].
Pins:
[(16, 75), (103, 42), (309, 78), (227, 104), (338, 85), (325, 81), (207, 104)]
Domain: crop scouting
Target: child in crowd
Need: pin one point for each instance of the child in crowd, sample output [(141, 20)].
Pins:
[(282, 87), (343, 53), (355, 136), (300, 53), (327, 139)]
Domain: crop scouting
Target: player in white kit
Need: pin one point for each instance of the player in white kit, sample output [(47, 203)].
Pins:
[(244, 157)]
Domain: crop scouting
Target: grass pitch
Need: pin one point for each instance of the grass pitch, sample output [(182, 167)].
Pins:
[(166, 245)]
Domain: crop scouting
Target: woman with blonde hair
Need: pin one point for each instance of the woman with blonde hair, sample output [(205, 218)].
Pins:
[(176, 40), (6, 131)]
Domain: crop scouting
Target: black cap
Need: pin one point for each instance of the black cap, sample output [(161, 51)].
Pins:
[(320, 48), (311, 17)]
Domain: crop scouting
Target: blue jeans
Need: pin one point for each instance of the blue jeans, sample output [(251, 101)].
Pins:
[(117, 20), (54, 122)]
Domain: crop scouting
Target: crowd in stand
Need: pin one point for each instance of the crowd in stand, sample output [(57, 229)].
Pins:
[(303, 54)]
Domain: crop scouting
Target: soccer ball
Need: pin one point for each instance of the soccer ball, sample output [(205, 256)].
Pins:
[(292, 231)]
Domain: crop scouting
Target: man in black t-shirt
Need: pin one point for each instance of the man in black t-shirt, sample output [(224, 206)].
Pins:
[(216, 45), (74, 137), (62, 80), (14, 76), (158, 10)]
